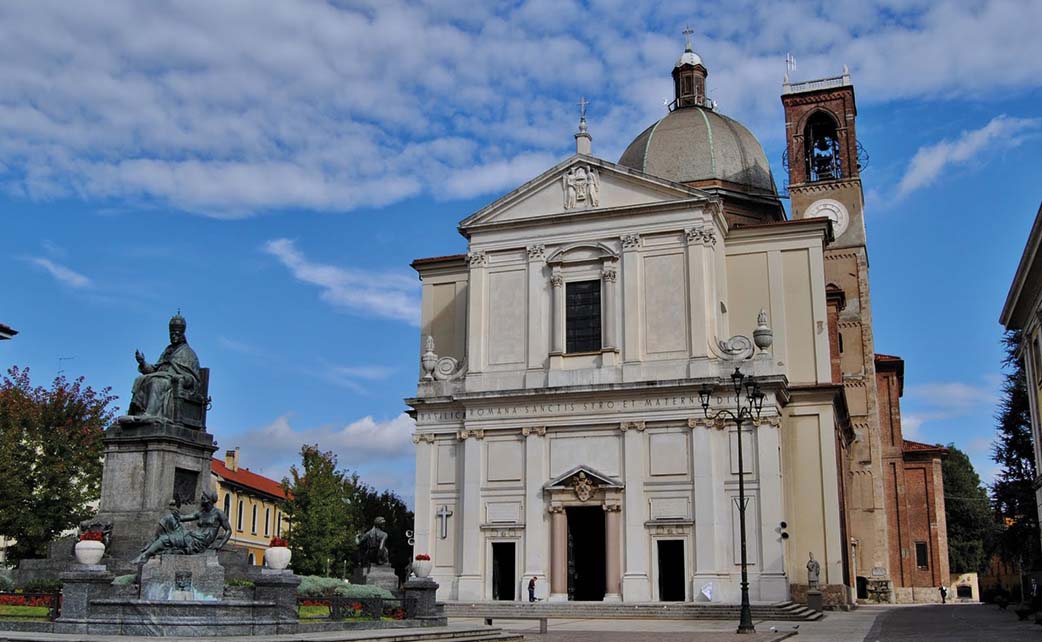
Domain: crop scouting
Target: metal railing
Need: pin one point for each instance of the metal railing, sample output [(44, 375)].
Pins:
[(51, 600), (349, 608)]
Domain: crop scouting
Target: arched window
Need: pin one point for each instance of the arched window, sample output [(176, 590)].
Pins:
[(250, 559), (267, 521), (227, 504), (278, 523), (821, 148), (239, 520), (253, 522)]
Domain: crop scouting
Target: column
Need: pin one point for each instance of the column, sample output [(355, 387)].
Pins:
[(609, 276), (537, 533), (471, 583), (476, 311), (558, 555), (613, 553), (635, 584), (767, 444), (557, 332), (536, 374), (708, 495)]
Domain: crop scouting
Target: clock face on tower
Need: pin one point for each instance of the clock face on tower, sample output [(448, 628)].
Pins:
[(833, 210)]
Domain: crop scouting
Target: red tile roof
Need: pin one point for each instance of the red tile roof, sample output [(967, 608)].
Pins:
[(919, 446), (243, 477)]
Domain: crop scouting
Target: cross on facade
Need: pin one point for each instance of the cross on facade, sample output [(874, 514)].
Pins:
[(443, 514), (790, 63), (582, 107)]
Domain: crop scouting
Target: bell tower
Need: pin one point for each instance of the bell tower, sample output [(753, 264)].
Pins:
[(825, 163)]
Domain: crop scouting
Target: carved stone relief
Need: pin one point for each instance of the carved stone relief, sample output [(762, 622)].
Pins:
[(582, 186)]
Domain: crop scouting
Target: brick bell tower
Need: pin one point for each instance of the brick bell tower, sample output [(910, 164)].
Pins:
[(825, 181)]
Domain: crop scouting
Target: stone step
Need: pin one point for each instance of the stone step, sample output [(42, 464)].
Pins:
[(591, 610)]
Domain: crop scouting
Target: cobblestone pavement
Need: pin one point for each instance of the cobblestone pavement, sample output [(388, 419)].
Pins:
[(951, 623), (923, 623)]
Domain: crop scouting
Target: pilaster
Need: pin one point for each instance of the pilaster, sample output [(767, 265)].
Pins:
[(537, 532), (773, 584), (633, 319), (422, 517), (636, 586), (536, 374), (476, 311), (470, 579)]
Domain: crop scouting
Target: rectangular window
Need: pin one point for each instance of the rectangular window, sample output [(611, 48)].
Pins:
[(267, 521), (922, 557), (1036, 357), (582, 316), (239, 520), (278, 523), (253, 523)]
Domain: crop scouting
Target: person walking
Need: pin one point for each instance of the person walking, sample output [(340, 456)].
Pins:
[(944, 594), (531, 589)]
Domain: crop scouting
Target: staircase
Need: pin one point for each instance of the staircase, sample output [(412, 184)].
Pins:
[(789, 611)]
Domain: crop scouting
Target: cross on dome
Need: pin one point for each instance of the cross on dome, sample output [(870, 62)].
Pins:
[(688, 32)]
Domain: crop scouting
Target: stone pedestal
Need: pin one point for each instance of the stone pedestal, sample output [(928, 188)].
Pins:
[(279, 587), (183, 577), (146, 464), (81, 586), (419, 595), (384, 577), (815, 601)]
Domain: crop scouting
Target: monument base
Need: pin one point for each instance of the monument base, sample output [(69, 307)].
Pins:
[(384, 577)]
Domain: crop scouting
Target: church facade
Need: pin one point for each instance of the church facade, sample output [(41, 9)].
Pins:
[(560, 433)]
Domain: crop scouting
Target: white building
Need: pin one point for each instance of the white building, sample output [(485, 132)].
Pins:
[(559, 430)]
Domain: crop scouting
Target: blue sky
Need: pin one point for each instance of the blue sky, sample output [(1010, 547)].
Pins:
[(272, 172)]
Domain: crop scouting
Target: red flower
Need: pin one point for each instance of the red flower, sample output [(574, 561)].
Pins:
[(278, 541), (423, 557), (92, 536)]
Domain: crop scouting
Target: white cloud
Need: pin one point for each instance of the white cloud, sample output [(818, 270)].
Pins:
[(927, 405), (365, 444), (389, 295), (224, 110), (1001, 133), (63, 274)]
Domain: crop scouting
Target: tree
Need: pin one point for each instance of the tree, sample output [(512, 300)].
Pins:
[(369, 504), (318, 508), (50, 457), (1012, 493), (968, 513)]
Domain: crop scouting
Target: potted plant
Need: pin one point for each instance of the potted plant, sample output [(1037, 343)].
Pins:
[(278, 554), (91, 547), (423, 565)]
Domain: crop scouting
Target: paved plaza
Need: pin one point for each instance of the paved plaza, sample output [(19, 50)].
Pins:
[(926, 623)]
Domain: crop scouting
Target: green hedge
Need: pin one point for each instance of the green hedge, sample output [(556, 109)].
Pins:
[(316, 586)]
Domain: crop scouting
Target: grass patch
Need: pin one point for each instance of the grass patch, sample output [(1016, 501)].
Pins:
[(24, 612), (313, 611)]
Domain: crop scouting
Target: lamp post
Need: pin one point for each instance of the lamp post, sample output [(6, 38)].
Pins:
[(750, 411)]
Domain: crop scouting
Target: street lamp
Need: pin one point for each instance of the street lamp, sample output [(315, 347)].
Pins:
[(750, 411)]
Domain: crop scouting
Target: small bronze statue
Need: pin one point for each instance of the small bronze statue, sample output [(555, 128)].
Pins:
[(372, 546), (172, 539), (177, 368)]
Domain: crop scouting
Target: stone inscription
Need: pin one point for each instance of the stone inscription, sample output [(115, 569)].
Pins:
[(571, 408)]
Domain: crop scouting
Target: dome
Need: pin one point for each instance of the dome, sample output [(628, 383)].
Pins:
[(688, 58), (694, 144)]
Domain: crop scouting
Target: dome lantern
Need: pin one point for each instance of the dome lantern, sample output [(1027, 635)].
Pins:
[(689, 77)]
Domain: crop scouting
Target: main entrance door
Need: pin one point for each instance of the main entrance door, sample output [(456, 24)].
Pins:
[(503, 571), (671, 570), (586, 557)]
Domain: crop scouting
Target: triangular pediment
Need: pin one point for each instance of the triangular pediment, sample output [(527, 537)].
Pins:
[(597, 479), (577, 186)]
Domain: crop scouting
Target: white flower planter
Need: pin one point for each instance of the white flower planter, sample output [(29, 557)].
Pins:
[(89, 552), (277, 557), (422, 568)]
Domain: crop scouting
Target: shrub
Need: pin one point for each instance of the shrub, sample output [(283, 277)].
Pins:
[(238, 581), (317, 586), (123, 580), (6, 580), (43, 586)]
